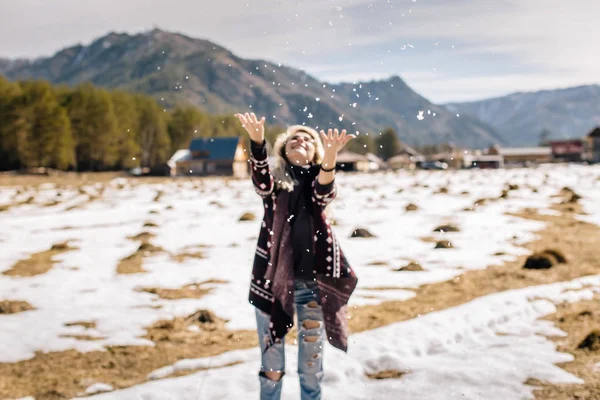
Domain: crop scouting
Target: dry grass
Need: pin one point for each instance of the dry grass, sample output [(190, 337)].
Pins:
[(387, 374), (181, 257), (61, 179), (61, 374), (85, 324), (142, 236), (38, 263), (411, 207), (247, 217), (578, 320), (361, 233), (14, 307), (83, 337), (132, 264), (412, 266), (191, 291)]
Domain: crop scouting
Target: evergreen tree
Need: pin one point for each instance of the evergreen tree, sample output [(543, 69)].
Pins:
[(152, 136), (126, 113), (387, 144), (362, 144), (184, 124), (94, 126), (44, 134), (9, 124)]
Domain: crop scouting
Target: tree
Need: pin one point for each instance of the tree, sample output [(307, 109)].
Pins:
[(152, 136), (185, 123), (545, 136), (126, 114), (94, 126), (387, 144), (44, 133), (362, 144), (9, 124)]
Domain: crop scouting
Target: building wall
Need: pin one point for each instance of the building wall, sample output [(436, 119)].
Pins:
[(524, 158), (207, 167)]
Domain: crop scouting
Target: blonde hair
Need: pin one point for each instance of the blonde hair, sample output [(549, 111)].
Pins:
[(279, 167)]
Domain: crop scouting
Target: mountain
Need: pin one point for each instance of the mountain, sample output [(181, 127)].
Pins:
[(521, 117), (175, 68)]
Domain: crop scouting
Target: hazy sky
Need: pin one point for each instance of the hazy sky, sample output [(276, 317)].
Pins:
[(445, 49)]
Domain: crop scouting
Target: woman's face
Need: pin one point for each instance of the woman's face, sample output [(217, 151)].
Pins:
[(300, 148)]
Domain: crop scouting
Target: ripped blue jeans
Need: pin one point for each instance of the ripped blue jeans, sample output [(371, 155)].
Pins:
[(310, 346)]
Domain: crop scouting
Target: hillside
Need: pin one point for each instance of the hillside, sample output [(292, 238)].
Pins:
[(521, 117), (175, 68)]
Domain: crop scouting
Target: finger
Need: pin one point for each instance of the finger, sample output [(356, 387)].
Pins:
[(336, 134), (329, 134), (343, 135), (242, 119), (254, 118), (323, 135), (262, 121)]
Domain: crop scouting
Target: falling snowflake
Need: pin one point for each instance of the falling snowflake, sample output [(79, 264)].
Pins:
[(420, 117), (341, 117), (318, 99)]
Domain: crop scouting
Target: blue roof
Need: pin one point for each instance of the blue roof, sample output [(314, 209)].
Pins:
[(221, 148)]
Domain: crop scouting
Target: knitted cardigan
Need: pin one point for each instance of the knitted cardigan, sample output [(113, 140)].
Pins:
[(272, 281)]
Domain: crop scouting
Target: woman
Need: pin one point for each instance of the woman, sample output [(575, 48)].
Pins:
[(298, 265)]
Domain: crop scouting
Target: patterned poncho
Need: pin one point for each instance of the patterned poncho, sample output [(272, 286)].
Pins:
[(272, 283)]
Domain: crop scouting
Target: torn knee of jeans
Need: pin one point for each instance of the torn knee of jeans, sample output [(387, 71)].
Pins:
[(274, 376), (311, 324), (312, 304), (311, 339)]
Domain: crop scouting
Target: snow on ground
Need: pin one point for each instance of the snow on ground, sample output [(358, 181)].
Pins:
[(484, 349), (84, 285)]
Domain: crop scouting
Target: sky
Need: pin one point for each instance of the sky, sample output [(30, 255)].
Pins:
[(447, 50)]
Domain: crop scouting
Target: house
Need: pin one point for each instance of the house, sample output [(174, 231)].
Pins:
[(593, 139), (483, 161), (212, 156), (569, 150), (376, 163), (522, 155), (349, 161), (453, 156), (407, 158)]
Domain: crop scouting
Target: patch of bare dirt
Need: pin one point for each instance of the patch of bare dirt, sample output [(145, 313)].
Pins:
[(581, 321), (83, 337), (387, 374), (84, 324), (14, 307), (38, 263), (191, 291)]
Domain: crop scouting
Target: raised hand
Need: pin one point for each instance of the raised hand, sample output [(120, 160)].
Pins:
[(334, 141), (254, 127)]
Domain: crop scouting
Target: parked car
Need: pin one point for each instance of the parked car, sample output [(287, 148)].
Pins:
[(433, 165)]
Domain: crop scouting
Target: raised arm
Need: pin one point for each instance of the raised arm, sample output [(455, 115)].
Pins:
[(324, 190), (261, 175)]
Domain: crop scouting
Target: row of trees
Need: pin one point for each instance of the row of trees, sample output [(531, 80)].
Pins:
[(86, 128), (91, 129)]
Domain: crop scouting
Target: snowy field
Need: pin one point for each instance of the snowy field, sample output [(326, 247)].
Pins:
[(471, 351)]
